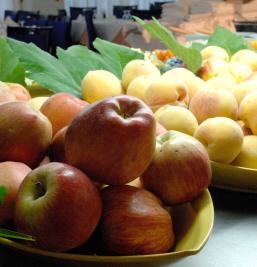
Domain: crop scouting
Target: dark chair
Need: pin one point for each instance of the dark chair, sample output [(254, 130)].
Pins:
[(10, 13), (147, 14), (62, 13), (23, 15), (40, 36), (158, 5), (246, 26), (76, 11), (91, 32), (118, 11), (36, 22)]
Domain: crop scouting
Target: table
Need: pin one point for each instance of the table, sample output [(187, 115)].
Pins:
[(233, 242)]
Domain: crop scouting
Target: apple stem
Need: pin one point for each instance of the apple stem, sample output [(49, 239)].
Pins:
[(41, 189)]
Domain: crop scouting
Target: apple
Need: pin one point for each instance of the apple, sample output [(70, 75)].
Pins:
[(58, 205), (5, 93), (12, 174), (246, 130), (180, 169), (113, 140), (134, 222), (160, 129), (98, 84), (20, 92), (222, 137), (57, 146), (25, 133), (61, 108)]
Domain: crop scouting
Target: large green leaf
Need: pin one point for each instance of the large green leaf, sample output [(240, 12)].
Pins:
[(228, 40), (191, 57), (45, 69), (11, 69)]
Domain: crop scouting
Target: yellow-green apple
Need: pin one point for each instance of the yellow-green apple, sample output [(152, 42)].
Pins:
[(180, 169), (57, 146), (58, 205), (138, 86), (12, 174), (241, 89), (224, 82), (98, 84), (248, 153), (176, 118), (213, 50), (25, 133), (222, 137), (238, 70), (135, 68), (246, 130), (211, 103), (246, 56), (134, 222), (247, 111), (112, 140), (5, 93), (37, 102), (61, 108), (210, 67), (20, 92), (192, 82), (166, 90)]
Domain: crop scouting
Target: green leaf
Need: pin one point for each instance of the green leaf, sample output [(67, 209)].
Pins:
[(3, 192), (15, 235), (228, 40), (116, 56), (10, 68), (191, 57), (45, 69)]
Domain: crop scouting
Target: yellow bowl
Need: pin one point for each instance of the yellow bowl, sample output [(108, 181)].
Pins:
[(192, 221), (234, 177)]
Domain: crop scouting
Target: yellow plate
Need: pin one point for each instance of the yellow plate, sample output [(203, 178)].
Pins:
[(193, 223), (234, 177)]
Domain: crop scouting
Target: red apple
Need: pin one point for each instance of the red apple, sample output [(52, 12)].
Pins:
[(112, 140), (12, 174), (61, 108), (57, 147), (58, 205), (25, 133), (180, 169), (134, 222)]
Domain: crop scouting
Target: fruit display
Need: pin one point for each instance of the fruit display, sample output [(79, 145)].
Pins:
[(122, 144)]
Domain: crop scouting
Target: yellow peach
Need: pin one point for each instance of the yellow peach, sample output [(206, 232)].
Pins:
[(98, 84), (181, 73), (246, 56), (241, 89), (248, 154), (224, 82), (176, 118), (138, 86), (222, 138), (246, 130), (216, 51), (166, 90), (138, 67), (247, 111), (211, 103)]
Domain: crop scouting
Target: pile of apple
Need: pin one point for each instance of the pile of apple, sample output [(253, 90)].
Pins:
[(74, 169)]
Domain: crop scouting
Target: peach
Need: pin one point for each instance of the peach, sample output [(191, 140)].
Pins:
[(248, 153), (246, 130), (225, 82), (25, 133), (253, 76), (20, 92), (211, 103), (38, 101), (214, 51), (222, 137), (241, 89), (166, 90), (176, 118), (138, 86), (247, 111), (138, 67), (5, 93), (61, 109), (181, 73), (12, 174), (98, 84), (246, 56)]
